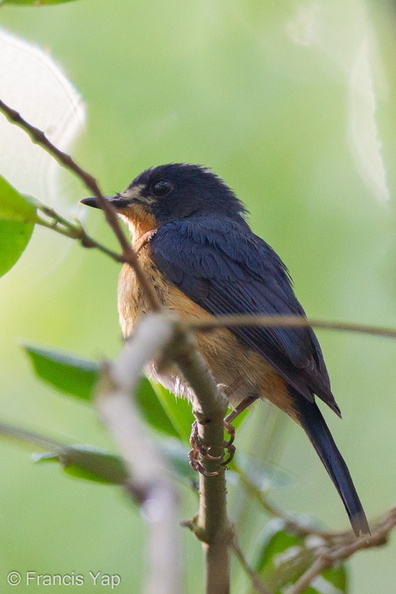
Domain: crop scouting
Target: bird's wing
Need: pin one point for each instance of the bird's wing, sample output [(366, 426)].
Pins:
[(226, 269)]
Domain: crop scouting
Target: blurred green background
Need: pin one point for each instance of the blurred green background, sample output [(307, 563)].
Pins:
[(293, 104)]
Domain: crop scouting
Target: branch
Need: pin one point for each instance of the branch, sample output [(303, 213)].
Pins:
[(209, 324), (345, 549), (73, 231), (150, 478), (128, 254), (209, 407)]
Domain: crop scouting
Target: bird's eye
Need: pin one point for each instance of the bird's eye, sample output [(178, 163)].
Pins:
[(161, 187)]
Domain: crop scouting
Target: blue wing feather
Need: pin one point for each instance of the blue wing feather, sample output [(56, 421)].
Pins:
[(226, 269)]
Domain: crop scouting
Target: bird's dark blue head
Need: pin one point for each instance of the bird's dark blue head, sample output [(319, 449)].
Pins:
[(176, 191)]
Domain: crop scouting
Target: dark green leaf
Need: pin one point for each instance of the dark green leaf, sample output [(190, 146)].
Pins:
[(63, 371)]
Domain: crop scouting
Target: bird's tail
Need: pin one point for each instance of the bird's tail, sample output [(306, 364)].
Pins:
[(313, 423)]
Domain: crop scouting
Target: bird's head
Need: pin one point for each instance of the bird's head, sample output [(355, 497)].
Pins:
[(171, 192)]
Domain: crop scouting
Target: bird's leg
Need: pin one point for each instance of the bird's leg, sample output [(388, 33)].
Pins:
[(244, 404), (228, 445), (200, 450)]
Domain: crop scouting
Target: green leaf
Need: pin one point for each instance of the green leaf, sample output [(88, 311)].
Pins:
[(17, 217), (13, 206), (14, 237), (275, 541), (178, 410), (337, 576), (63, 371), (93, 464), (88, 462), (77, 377), (153, 409), (283, 557)]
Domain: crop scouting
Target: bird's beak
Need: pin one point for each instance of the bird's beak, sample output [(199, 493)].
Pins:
[(117, 201)]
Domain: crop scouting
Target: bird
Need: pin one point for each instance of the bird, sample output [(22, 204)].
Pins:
[(190, 233)]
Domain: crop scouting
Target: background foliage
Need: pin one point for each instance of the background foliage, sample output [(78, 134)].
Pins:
[(276, 98)]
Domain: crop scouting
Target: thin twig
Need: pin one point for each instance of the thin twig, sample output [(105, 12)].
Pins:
[(128, 254), (76, 232), (345, 549), (208, 324), (256, 582)]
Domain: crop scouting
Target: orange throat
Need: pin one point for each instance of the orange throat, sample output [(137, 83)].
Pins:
[(141, 223)]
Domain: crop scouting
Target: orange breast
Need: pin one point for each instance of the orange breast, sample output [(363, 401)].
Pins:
[(241, 370)]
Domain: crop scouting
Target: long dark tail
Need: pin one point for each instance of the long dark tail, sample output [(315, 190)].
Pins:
[(313, 423)]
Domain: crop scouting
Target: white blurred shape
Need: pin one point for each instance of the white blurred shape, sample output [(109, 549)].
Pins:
[(344, 34), (324, 587), (35, 86), (303, 28), (363, 124)]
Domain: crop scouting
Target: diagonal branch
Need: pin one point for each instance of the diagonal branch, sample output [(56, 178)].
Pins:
[(149, 478), (128, 254), (254, 578), (345, 548)]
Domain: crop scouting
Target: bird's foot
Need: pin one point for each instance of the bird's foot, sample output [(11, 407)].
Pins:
[(199, 450)]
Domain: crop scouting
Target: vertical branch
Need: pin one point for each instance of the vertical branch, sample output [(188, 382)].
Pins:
[(213, 527), (209, 406)]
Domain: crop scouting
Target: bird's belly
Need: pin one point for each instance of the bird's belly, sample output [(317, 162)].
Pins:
[(241, 371)]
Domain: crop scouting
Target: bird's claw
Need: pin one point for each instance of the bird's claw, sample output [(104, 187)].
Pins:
[(199, 450), (196, 464)]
